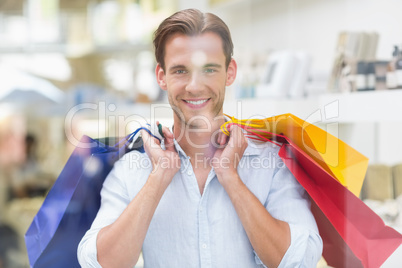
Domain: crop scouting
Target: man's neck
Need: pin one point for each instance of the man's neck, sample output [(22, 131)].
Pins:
[(200, 141)]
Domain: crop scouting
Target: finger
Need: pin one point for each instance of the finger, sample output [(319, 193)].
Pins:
[(145, 138), (169, 144), (232, 134), (149, 141), (223, 139), (159, 128), (236, 136), (218, 138), (242, 141), (166, 132), (168, 136)]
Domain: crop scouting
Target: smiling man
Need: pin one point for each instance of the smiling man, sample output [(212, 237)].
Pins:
[(204, 199)]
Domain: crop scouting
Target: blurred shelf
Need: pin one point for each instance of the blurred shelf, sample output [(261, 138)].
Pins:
[(367, 106), (71, 50), (351, 107), (37, 48), (261, 108), (127, 47), (225, 5)]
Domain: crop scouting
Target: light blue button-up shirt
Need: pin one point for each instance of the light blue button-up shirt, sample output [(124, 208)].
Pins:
[(193, 230)]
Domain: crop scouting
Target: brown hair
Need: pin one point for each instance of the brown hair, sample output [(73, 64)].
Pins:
[(191, 22)]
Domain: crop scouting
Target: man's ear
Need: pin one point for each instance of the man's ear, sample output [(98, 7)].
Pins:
[(160, 77), (231, 72)]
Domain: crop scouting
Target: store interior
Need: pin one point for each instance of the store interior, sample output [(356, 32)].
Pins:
[(70, 68)]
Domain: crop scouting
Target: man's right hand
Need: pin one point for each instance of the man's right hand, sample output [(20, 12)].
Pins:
[(119, 244), (165, 163)]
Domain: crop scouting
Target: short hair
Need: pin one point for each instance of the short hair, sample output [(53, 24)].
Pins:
[(191, 22)]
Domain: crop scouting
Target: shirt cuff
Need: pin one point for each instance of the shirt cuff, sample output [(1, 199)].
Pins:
[(258, 260), (299, 238), (296, 251), (87, 252)]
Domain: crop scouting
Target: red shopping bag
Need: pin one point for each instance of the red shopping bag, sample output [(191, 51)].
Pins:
[(353, 235)]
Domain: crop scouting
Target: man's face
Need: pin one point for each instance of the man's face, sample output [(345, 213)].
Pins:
[(195, 77)]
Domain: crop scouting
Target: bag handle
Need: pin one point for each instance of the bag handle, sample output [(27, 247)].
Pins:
[(132, 138), (253, 133)]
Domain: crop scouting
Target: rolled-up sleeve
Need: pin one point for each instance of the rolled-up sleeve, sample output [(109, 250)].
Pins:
[(114, 199), (87, 253), (289, 202)]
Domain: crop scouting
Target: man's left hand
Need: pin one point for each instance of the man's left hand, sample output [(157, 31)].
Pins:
[(229, 153)]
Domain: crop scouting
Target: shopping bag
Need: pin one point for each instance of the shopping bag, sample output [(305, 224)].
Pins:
[(346, 164), (73, 202), (353, 235)]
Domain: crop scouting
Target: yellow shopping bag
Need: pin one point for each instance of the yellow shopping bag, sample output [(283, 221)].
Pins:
[(346, 164)]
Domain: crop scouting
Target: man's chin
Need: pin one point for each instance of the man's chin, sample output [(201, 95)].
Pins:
[(203, 121), (197, 118)]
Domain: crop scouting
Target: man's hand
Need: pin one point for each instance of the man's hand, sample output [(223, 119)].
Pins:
[(119, 244), (227, 157), (165, 163)]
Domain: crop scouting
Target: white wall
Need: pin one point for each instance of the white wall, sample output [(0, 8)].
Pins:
[(389, 142), (258, 26), (310, 25)]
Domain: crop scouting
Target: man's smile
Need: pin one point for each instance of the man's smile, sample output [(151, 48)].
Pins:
[(196, 103)]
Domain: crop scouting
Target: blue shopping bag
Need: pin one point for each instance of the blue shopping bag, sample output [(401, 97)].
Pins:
[(73, 202)]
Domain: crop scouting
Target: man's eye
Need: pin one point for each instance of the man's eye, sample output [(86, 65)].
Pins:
[(209, 70), (180, 72)]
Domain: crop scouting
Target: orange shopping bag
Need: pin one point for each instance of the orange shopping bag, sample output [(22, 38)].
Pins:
[(346, 164)]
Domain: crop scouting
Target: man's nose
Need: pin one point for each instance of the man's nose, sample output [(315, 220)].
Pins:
[(194, 83)]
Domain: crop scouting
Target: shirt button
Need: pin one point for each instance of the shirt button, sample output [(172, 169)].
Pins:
[(189, 172), (204, 246), (200, 209)]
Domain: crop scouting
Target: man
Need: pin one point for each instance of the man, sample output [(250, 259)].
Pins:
[(202, 200)]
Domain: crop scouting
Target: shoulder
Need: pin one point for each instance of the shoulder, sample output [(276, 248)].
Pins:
[(258, 166), (260, 159), (132, 170), (131, 158), (262, 150), (133, 162)]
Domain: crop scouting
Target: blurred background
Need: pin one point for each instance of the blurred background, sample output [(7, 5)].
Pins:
[(86, 67)]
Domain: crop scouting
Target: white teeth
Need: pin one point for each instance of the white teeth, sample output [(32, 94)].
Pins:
[(197, 102)]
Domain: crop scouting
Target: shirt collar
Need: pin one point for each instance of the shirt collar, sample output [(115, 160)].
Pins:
[(176, 145), (178, 148), (253, 148)]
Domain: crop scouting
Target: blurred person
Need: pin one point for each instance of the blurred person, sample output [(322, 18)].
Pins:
[(12, 155), (27, 170), (196, 199), (27, 179), (32, 181), (8, 244)]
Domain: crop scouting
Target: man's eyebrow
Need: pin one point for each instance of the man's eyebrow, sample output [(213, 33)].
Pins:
[(178, 66), (181, 66), (215, 65)]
